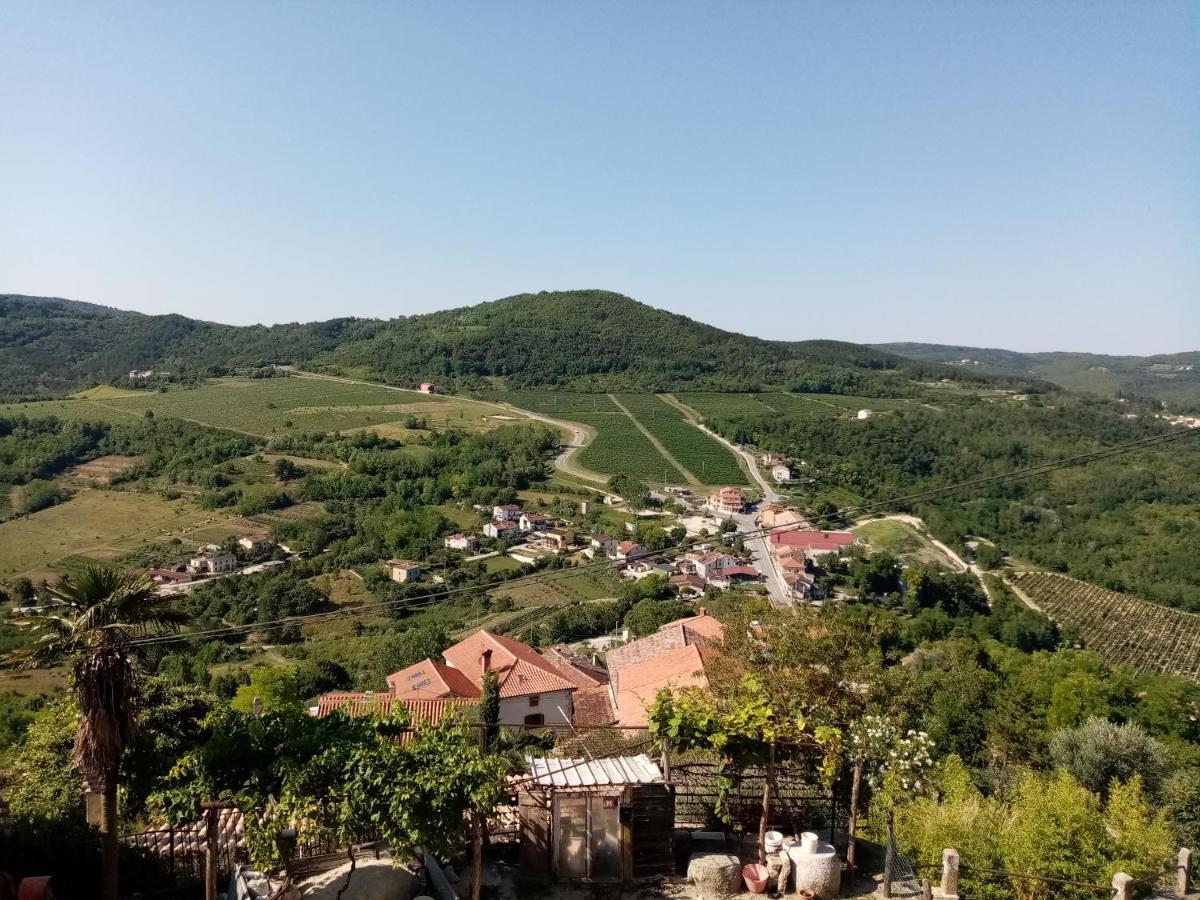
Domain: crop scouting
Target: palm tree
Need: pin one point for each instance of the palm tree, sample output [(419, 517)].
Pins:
[(99, 612)]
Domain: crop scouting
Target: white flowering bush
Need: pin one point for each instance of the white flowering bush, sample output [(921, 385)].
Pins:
[(883, 747)]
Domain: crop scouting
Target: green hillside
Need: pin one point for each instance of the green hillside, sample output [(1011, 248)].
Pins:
[(1173, 378), (580, 340)]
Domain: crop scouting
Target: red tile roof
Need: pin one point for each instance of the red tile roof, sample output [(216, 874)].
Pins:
[(520, 670), (812, 540), (429, 679), (583, 674), (593, 707), (168, 575), (702, 629), (640, 683), (420, 712), (740, 572)]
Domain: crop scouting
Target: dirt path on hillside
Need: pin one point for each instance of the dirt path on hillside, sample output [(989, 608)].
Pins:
[(688, 476), (744, 457)]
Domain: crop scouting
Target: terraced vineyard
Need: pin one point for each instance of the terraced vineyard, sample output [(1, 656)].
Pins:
[(1124, 630), (709, 461)]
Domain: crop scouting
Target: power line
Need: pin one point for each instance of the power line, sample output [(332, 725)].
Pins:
[(543, 577)]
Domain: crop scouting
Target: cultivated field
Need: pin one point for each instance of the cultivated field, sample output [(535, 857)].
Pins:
[(1123, 629), (618, 448), (710, 462), (269, 406), (94, 525)]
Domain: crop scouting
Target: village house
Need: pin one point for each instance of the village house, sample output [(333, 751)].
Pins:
[(559, 538), (508, 512), (649, 565), (602, 544), (535, 690), (500, 528), (770, 459), (420, 711), (710, 565), (731, 575), (212, 560), (429, 388), (629, 550), (781, 473), (403, 571), (167, 576), (728, 501), (776, 517), (812, 543), (255, 543), (591, 700), (534, 522), (801, 585), (460, 542)]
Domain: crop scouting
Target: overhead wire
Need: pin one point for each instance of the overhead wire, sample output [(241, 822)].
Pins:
[(426, 600)]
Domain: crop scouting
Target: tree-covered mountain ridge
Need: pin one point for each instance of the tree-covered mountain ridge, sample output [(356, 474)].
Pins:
[(1173, 378), (579, 340)]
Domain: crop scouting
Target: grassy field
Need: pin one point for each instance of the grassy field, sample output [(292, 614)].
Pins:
[(901, 540), (618, 448), (268, 406), (709, 461), (93, 524)]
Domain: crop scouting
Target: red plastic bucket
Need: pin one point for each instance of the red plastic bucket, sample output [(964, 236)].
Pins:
[(756, 877)]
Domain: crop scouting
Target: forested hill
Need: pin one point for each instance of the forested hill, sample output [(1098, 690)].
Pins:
[(50, 346), (583, 340), (1173, 378)]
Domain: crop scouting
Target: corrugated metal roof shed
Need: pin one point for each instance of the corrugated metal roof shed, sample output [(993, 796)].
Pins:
[(614, 771)]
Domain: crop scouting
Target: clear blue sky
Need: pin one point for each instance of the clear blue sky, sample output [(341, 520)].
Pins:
[(1003, 174)]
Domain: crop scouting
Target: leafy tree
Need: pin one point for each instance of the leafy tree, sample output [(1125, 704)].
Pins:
[(286, 470), (274, 686), (1099, 753), (647, 616), (43, 784), (1182, 802), (102, 611)]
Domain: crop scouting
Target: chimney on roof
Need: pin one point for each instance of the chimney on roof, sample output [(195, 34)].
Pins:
[(486, 661), (703, 611)]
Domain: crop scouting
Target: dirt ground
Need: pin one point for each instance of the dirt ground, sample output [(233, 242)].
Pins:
[(104, 468)]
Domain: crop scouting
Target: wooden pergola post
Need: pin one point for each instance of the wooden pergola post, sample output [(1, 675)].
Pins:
[(212, 820)]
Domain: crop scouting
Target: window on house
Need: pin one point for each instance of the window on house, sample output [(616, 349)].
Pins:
[(535, 719), (535, 699)]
